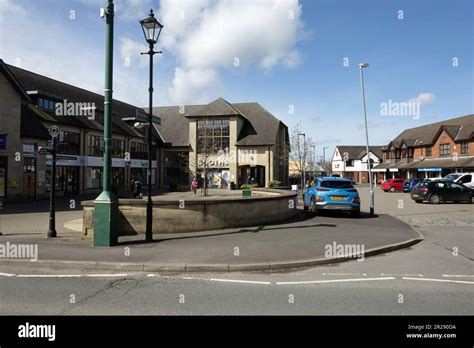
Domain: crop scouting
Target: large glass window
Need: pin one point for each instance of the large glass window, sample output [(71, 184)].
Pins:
[(464, 148), (176, 168), (118, 148), (68, 143), (213, 135), (96, 146)]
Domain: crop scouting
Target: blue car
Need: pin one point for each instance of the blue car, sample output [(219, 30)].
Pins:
[(332, 193), (408, 184)]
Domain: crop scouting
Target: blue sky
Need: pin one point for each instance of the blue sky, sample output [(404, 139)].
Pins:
[(283, 64)]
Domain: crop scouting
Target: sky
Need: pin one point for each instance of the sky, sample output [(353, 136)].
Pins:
[(298, 59)]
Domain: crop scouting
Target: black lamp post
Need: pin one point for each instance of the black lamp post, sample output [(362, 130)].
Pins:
[(151, 29)]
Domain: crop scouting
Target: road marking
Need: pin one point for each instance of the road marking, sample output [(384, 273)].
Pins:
[(403, 274), (440, 280), (109, 275), (49, 275), (458, 275), (7, 274), (239, 281), (334, 281), (340, 274)]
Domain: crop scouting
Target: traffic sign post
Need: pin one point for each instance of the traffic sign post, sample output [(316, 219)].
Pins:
[(53, 131)]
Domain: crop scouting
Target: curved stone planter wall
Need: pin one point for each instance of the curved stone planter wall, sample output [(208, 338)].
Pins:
[(264, 207)]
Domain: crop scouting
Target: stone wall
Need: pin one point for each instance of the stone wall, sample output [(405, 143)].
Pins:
[(266, 206)]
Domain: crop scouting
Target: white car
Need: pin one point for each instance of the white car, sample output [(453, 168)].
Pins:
[(466, 179)]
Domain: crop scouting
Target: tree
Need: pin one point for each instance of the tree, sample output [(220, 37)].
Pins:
[(300, 150), (205, 151)]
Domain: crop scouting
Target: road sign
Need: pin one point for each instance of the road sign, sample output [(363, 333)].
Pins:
[(45, 150)]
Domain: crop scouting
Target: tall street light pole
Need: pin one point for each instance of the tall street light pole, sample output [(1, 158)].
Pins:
[(151, 29), (361, 67), (314, 159), (106, 205), (53, 131)]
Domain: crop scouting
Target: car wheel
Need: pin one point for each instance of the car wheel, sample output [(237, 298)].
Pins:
[(313, 207), (392, 189), (434, 199), (472, 200), (355, 213)]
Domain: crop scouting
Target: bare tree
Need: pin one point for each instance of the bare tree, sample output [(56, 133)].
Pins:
[(300, 150), (199, 165)]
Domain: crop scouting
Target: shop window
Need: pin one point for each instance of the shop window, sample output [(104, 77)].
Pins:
[(213, 136)]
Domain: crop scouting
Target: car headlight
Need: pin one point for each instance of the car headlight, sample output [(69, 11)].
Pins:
[(319, 199)]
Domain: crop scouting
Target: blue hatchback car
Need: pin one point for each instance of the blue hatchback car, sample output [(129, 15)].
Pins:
[(408, 184), (332, 193)]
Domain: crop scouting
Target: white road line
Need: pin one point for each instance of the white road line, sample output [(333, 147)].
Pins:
[(402, 274), (238, 281), (109, 275), (49, 275), (334, 281), (439, 280), (458, 275), (340, 274), (7, 274)]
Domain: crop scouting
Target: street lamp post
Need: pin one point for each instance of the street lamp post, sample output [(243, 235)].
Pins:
[(53, 131), (314, 159), (361, 67), (151, 29), (106, 205)]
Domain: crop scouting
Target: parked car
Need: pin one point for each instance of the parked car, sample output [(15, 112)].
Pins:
[(351, 180), (442, 191), (408, 184), (466, 179), (332, 193), (393, 185)]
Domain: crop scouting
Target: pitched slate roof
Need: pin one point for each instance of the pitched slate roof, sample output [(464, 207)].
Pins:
[(219, 107), (260, 126), (359, 151), (30, 125), (31, 81), (460, 128)]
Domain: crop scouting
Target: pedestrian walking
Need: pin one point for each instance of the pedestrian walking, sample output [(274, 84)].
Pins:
[(194, 185)]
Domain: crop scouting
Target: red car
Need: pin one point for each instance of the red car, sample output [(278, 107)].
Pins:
[(393, 185)]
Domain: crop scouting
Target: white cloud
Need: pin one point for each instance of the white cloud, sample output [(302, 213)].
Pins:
[(423, 99), (208, 36), (190, 84)]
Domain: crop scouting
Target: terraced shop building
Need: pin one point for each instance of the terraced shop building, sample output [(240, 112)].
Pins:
[(432, 150), (237, 143), (30, 103), (228, 144)]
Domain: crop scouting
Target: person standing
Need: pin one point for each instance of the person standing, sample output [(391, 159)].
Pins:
[(194, 185), (137, 189)]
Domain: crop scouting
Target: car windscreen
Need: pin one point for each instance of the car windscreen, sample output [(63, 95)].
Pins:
[(452, 176), (336, 184)]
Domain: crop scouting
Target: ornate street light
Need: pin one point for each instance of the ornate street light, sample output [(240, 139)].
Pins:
[(151, 29)]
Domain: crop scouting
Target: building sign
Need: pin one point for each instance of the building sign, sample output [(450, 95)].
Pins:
[(213, 163), (3, 141), (65, 160), (429, 169), (29, 149)]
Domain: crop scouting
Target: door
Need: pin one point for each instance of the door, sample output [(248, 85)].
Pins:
[(29, 185), (458, 192)]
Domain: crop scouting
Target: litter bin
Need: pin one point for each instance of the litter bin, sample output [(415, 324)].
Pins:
[(246, 192)]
